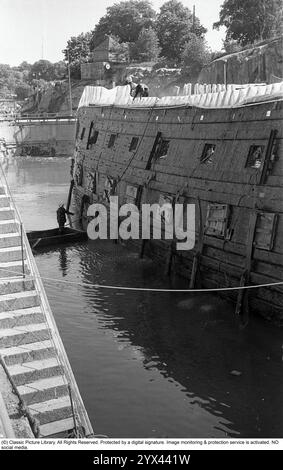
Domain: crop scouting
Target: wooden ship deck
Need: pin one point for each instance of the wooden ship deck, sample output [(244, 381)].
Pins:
[(220, 149)]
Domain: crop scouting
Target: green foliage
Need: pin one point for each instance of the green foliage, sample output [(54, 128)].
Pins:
[(248, 21), (125, 20), (42, 69), (231, 46), (23, 80), (194, 56), (10, 79), (78, 51), (174, 26), (147, 46), (119, 49), (23, 90), (24, 67), (60, 70)]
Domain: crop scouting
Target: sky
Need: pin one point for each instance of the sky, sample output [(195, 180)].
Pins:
[(31, 30)]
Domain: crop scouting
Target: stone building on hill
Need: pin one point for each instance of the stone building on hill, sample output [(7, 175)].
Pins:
[(108, 65)]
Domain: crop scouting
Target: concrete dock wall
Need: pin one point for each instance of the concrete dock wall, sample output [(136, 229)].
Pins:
[(40, 137), (32, 355)]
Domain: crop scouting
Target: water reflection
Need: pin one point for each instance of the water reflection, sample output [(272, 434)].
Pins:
[(152, 364), (63, 260), (186, 346)]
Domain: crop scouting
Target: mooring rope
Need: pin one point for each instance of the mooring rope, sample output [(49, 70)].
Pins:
[(137, 289)]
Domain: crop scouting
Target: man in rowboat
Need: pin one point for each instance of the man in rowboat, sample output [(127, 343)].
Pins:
[(61, 216)]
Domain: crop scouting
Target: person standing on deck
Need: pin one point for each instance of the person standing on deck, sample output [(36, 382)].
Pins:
[(141, 91), (61, 216), (133, 85)]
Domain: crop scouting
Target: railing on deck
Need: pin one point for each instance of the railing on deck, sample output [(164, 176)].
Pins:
[(44, 117), (202, 88), (37, 117)]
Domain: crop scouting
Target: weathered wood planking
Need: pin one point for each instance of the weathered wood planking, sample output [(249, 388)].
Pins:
[(228, 180)]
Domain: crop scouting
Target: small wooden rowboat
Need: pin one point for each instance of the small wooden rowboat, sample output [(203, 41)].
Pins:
[(43, 238)]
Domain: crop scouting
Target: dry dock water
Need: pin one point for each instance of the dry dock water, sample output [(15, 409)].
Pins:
[(40, 395)]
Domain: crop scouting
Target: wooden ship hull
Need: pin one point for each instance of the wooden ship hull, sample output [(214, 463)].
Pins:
[(218, 149)]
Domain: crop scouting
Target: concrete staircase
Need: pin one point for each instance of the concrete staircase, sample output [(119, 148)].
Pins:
[(27, 344)]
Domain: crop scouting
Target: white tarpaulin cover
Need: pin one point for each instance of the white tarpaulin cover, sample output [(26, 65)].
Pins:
[(233, 96)]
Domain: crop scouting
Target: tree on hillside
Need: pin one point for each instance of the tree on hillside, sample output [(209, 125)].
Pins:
[(42, 69), (60, 70), (5, 72), (78, 48), (119, 49), (194, 56), (232, 46), (125, 20), (248, 21), (147, 46), (24, 66), (174, 25), (23, 90)]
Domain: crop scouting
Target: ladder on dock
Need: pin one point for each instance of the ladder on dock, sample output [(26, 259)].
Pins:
[(31, 350)]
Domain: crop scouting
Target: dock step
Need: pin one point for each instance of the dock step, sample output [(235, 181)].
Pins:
[(15, 285), (28, 352), (56, 427), (24, 335), (6, 213), (19, 300), (52, 410), (21, 317), (23, 374), (36, 363), (4, 200), (9, 227), (13, 269), (43, 390), (9, 239), (14, 253)]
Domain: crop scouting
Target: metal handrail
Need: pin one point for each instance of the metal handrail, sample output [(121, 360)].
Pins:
[(36, 117), (10, 194), (44, 116), (61, 353), (16, 216), (56, 338)]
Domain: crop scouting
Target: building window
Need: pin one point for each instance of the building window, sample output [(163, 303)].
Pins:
[(133, 144), (82, 133), (216, 223), (207, 154), (265, 230), (159, 150), (162, 149), (131, 194), (92, 137), (255, 156), (111, 140)]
